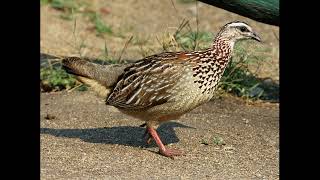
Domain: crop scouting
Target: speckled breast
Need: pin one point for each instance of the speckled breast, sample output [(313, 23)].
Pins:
[(189, 93)]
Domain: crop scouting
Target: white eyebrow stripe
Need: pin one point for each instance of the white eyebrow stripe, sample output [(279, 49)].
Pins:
[(240, 24)]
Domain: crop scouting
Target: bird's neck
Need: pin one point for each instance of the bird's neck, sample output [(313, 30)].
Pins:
[(210, 68), (222, 49), (222, 43)]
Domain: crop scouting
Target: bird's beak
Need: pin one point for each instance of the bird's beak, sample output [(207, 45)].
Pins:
[(256, 37)]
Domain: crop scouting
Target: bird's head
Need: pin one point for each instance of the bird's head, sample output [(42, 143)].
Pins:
[(237, 30)]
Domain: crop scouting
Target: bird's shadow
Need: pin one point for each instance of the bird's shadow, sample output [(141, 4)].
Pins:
[(122, 135)]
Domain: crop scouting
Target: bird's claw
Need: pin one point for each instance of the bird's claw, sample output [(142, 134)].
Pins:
[(171, 152)]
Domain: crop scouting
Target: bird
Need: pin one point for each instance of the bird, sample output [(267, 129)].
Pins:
[(164, 86)]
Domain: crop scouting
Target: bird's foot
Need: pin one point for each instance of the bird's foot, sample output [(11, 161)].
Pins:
[(171, 152), (162, 149)]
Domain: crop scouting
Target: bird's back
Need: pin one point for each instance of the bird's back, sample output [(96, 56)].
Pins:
[(163, 84)]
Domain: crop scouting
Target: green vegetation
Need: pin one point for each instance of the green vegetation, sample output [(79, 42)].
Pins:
[(72, 7), (194, 40), (99, 25), (138, 40), (216, 140), (66, 5), (56, 79), (105, 58), (238, 79), (44, 2)]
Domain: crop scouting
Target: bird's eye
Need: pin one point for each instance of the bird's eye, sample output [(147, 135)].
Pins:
[(243, 29)]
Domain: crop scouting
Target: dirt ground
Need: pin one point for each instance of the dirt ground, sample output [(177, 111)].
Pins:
[(82, 138)]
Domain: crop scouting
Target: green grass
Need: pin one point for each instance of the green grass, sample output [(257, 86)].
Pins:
[(216, 140), (240, 81), (105, 58), (100, 26), (138, 40), (70, 8), (194, 40), (56, 79), (65, 5), (44, 2)]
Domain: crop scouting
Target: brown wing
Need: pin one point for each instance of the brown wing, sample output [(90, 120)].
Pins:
[(146, 82)]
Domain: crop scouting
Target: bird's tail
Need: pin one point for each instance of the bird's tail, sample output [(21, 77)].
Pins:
[(102, 78)]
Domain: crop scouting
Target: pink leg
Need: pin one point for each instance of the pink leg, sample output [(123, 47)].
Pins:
[(163, 150)]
